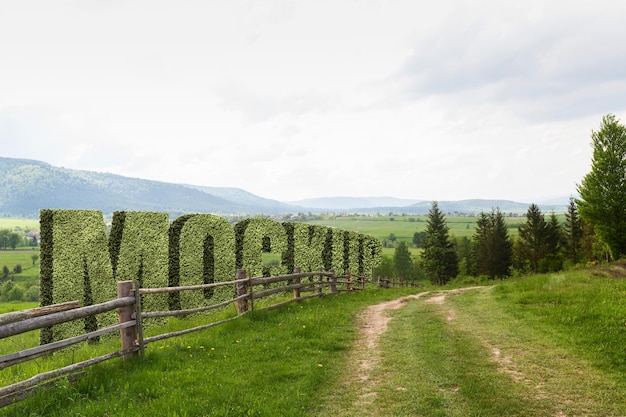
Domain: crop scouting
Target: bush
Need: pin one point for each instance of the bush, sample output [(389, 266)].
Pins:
[(4, 290), (17, 269), (16, 293), (32, 293)]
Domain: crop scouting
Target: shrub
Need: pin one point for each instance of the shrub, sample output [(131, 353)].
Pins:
[(32, 294), (16, 293)]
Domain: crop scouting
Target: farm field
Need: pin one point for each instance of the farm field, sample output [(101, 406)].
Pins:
[(403, 227), (24, 224), (541, 345), (22, 283)]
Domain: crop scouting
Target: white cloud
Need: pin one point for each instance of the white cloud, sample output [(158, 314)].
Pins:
[(297, 99)]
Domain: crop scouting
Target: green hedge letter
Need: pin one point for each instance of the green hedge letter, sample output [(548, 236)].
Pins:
[(75, 266), (202, 251)]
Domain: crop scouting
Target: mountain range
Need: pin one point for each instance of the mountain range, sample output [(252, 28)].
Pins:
[(26, 186)]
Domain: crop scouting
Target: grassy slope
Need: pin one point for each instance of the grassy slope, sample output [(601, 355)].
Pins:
[(549, 345), (275, 363)]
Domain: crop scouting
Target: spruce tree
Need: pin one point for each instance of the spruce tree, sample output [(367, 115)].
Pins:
[(533, 238), (439, 258), (493, 247), (554, 244), (573, 233), (402, 261)]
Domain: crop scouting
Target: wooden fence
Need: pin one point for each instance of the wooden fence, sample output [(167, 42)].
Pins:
[(131, 317), (387, 283)]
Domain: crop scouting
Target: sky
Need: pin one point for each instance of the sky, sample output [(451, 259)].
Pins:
[(444, 100)]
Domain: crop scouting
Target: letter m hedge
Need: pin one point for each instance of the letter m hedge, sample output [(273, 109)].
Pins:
[(76, 260)]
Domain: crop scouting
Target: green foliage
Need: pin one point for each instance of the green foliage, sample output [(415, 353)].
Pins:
[(419, 238), (533, 245), (75, 265), (142, 252), (289, 255), (78, 262), (466, 255), (354, 258), (372, 254), (493, 248), (573, 233), (252, 240), (240, 229), (309, 244), (386, 268), (201, 251), (339, 251), (439, 258), (602, 191), (402, 261)]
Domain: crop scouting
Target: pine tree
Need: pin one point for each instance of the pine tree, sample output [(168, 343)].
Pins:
[(493, 247), (554, 244), (573, 233), (533, 238), (439, 258), (403, 262)]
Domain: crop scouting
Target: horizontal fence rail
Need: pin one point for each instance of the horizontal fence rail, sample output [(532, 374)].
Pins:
[(130, 326)]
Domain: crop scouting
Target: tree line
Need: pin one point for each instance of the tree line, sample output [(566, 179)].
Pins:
[(594, 229), (10, 239)]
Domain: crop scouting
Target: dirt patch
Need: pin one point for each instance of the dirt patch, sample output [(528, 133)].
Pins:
[(374, 320)]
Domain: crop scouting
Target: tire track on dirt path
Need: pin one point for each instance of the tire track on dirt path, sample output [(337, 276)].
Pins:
[(373, 324)]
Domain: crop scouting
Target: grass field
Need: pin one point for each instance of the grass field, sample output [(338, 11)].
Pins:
[(544, 345), (12, 223), (403, 227)]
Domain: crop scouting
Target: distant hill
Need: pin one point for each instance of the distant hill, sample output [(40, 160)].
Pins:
[(385, 205), (26, 186)]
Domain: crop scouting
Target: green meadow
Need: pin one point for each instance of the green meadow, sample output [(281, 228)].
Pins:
[(12, 223), (403, 227), (541, 345)]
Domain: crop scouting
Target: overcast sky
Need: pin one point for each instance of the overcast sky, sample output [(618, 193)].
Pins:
[(437, 100)]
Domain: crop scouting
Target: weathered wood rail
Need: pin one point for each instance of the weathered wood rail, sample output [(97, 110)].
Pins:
[(385, 282), (131, 316)]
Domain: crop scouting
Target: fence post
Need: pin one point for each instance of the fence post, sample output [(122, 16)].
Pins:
[(139, 324), (333, 282), (362, 282), (296, 281), (129, 334), (378, 283), (242, 305), (348, 281), (319, 283)]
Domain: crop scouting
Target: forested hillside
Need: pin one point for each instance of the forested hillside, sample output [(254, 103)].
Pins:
[(26, 186)]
